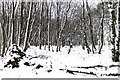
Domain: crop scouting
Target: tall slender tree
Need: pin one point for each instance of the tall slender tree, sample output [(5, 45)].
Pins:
[(91, 26), (113, 29), (102, 26), (41, 24), (84, 30), (118, 44), (62, 26), (0, 40), (58, 24), (13, 23), (3, 30), (21, 24), (49, 22), (28, 28)]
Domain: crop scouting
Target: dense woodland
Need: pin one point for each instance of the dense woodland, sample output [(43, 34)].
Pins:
[(59, 24)]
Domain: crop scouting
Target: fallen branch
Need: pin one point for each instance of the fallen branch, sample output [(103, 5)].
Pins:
[(73, 72), (112, 74), (40, 56), (114, 66), (93, 67)]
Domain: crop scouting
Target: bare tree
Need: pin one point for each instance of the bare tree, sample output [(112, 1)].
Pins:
[(8, 27), (102, 26), (58, 23), (0, 39), (28, 27), (3, 30), (113, 29), (91, 26), (63, 26), (118, 44), (41, 24), (13, 24), (85, 34), (21, 24), (49, 6)]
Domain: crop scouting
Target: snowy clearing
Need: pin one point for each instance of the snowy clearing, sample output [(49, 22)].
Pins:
[(48, 64)]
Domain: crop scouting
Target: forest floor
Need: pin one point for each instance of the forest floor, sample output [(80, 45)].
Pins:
[(48, 64)]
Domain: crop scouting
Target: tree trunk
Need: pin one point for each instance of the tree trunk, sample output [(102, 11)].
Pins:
[(0, 40), (13, 24), (28, 28), (18, 33), (91, 27), (49, 23), (8, 32), (102, 32), (39, 37), (118, 44), (52, 43), (48, 36), (62, 28), (57, 31), (41, 25), (21, 25), (3, 43), (3, 31), (85, 35), (113, 41)]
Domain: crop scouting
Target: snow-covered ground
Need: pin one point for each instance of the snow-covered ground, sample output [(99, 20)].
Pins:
[(48, 64)]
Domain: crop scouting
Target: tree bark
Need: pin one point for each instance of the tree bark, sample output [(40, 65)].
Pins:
[(0, 40), (49, 24), (85, 35), (13, 23), (41, 25), (118, 44), (62, 27), (58, 25), (3, 31), (113, 41), (21, 25), (102, 31), (91, 27), (28, 27)]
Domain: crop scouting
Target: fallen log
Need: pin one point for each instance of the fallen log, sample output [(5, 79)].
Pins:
[(114, 66), (93, 67), (73, 72), (112, 74)]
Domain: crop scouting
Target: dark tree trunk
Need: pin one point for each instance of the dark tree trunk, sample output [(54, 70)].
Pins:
[(21, 24), (118, 44), (3, 31), (28, 28), (58, 15), (84, 30), (102, 32), (41, 25), (113, 41), (91, 27), (13, 23)]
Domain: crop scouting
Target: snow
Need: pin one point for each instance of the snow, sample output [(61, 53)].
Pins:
[(56, 64)]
